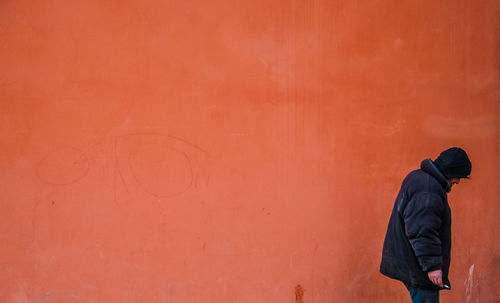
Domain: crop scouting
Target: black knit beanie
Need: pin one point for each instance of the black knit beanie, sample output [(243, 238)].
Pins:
[(454, 163)]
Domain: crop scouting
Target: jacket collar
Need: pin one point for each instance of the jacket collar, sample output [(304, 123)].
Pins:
[(428, 166)]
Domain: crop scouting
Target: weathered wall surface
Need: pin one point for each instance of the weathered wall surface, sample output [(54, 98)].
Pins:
[(230, 151)]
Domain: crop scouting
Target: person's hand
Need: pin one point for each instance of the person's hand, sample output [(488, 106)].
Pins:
[(436, 277)]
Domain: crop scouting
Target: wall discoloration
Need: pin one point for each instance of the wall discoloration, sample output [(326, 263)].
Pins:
[(299, 294)]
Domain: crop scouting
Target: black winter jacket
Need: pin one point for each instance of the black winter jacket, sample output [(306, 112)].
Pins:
[(418, 238)]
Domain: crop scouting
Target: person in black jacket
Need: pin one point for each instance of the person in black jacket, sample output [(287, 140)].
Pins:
[(417, 244)]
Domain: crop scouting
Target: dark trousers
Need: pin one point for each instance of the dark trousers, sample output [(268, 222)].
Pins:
[(423, 296)]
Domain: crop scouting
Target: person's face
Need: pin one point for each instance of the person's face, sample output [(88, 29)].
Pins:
[(453, 182)]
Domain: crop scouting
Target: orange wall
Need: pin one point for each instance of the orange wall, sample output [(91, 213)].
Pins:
[(229, 151)]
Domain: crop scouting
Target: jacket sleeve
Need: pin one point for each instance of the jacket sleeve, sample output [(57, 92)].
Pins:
[(422, 217)]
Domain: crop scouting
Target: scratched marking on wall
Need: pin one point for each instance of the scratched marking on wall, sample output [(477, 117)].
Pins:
[(52, 294), (63, 166), (156, 164), (160, 165)]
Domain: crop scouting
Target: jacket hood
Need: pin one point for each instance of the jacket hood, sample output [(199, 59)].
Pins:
[(428, 166)]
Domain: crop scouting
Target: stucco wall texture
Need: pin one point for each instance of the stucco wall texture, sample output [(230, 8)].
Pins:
[(238, 151)]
